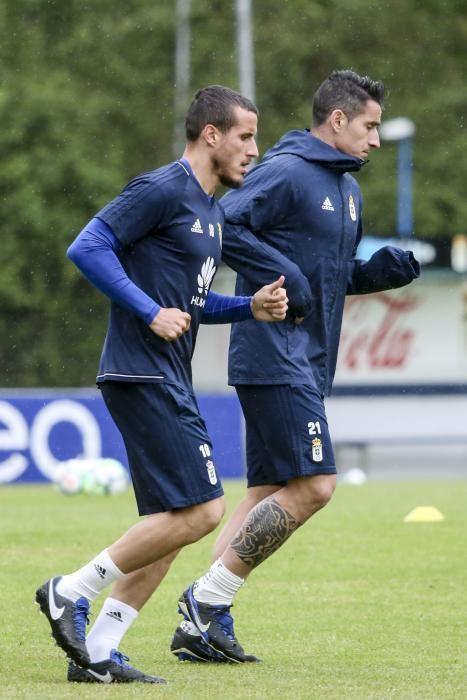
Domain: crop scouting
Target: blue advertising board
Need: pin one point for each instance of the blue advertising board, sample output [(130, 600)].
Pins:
[(39, 429)]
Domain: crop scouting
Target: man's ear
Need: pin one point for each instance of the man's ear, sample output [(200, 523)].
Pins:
[(211, 135), (338, 120)]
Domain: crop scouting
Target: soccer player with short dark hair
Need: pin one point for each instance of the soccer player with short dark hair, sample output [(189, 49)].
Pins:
[(154, 251), (299, 211)]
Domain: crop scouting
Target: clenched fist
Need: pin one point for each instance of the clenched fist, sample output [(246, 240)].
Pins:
[(170, 324), (270, 303)]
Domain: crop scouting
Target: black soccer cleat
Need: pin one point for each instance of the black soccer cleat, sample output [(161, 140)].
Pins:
[(189, 646), (67, 619), (215, 624), (113, 670)]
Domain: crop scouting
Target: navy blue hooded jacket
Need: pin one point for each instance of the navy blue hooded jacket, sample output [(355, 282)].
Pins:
[(299, 213)]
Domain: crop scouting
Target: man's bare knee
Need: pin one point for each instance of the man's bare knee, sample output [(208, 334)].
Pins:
[(202, 519), (306, 495), (321, 489)]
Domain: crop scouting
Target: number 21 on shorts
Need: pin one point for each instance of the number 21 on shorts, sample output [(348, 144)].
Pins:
[(314, 428)]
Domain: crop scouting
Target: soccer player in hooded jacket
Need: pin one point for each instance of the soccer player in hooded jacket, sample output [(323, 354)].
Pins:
[(300, 212)]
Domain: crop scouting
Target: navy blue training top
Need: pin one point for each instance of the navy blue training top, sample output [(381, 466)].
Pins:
[(170, 234), (299, 213)]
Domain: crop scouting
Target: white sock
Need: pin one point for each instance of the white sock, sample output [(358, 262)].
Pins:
[(112, 623), (91, 579), (218, 586)]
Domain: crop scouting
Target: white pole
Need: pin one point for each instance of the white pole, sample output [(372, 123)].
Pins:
[(182, 73), (245, 52)]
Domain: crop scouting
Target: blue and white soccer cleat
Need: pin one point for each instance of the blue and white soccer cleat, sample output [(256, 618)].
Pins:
[(188, 645), (113, 670), (67, 620), (215, 624)]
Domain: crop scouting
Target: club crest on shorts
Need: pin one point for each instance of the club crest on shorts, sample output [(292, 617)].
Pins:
[(317, 450), (211, 472), (352, 210)]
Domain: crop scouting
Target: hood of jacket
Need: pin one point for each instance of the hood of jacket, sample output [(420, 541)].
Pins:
[(302, 143)]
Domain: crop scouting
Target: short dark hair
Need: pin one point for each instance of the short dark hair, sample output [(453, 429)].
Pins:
[(214, 105), (347, 91)]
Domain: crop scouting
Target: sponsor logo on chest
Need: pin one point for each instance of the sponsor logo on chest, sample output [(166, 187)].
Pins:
[(204, 279)]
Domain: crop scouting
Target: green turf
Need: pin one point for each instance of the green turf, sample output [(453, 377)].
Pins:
[(357, 605)]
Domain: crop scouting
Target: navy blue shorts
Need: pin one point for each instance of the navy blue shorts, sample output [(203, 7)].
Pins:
[(287, 433), (168, 447)]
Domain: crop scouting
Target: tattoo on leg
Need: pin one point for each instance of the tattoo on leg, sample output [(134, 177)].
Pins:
[(266, 529)]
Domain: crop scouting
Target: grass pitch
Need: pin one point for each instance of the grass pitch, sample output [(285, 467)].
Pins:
[(357, 605)]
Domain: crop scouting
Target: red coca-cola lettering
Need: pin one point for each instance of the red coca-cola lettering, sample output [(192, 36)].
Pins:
[(385, 344)]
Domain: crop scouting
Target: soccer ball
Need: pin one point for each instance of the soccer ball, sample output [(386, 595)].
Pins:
[(91, 476), (354, 477), (68, 476), (107, 476)]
